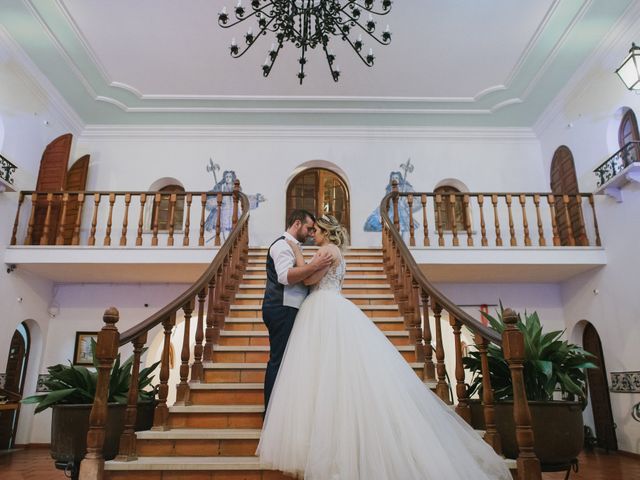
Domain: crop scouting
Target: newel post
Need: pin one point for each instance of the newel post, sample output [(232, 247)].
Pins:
[(92, 466), (514, 353)]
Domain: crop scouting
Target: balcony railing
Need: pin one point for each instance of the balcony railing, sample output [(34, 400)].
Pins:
[(616, 163), (497, 219), (141, 219), (7, 169)]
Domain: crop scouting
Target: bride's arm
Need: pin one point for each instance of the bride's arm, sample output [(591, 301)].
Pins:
[(316, 277)]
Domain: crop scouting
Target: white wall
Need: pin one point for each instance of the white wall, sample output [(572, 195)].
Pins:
[(585, 118)]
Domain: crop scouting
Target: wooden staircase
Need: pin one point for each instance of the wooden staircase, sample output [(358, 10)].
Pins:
[(215, 435)]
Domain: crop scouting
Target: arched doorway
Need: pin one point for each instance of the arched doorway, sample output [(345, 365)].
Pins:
[(599, 391), (14, 383), (322, 192), (564, 182)]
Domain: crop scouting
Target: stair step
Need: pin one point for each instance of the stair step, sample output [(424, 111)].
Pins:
[(216, 408), (346, 286), (264, 333), (362, 307), (346, 277), (349, 269), (350, 296), (350, 261)]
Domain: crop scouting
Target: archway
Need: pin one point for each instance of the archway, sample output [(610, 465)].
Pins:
[(599, 391), (322, 192)]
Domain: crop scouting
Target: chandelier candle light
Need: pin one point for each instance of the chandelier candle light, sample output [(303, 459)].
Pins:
[(308, 24)]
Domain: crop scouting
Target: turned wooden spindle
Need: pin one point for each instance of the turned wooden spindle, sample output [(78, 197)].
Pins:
[(582, 238), (429, 367), (466, 212), (462, 408), (76, 229), (595, 220), (32, 217), (161, 414), (154, 225), (412, 238), (541, 240), (127, 450), (197, 370), (442, 390), (525, 223), (234, 215), (219, 305), (396, 217), (107, 237), (454, 221), (44, 238), (203, 201), (143, 200), (425, 226), (92, 466), (483, 227), (439, 220), (567, 218), (512, 232), (494, 201), (94, 220), (218, 215), (14, 239), (491, 436), (514, 353), (212, 291), (182, 390), (172, 213), (551, 199), (417, 322), (187, 221), (125, 219), (61, 221)]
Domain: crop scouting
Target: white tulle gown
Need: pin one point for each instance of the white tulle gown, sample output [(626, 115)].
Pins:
[(347, 406)]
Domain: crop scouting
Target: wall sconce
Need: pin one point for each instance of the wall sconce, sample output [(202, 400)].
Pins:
[(629, 71)]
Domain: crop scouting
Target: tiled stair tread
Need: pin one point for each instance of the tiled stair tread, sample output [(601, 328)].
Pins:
[(254, 261), (226, 386), (347, 277), (204, 463), (346, 286), (349, 269), (257, 366), (216, 408), (264, 333), (371, 296), (266, 348), (361, 307), (200, 434), (259, 320)]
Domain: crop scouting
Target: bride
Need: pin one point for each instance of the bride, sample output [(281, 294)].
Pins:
[(347, 406)]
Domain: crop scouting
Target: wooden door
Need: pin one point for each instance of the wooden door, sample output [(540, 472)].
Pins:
[(565, 182), (321, 192), (76, 181), (599, 391), (51, 178), (14, 383)]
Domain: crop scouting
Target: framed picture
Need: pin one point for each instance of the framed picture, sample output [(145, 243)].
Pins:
[(82, 349)]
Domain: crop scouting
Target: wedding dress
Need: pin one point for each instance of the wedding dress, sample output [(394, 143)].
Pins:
[(347, 406)]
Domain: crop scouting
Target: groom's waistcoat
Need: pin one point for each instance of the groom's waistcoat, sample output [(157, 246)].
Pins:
[(275, 293)]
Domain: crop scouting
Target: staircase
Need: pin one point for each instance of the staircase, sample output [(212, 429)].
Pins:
[(215, 437)]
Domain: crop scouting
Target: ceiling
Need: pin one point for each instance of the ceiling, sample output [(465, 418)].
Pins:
[(451, 63)]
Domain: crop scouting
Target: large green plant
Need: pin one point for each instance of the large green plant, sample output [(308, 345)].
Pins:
[(549, 361), (71, 384)]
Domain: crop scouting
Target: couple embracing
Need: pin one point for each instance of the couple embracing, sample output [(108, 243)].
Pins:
[(341, 402)]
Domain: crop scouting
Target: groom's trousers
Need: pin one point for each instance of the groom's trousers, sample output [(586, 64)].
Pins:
[(279, 322)]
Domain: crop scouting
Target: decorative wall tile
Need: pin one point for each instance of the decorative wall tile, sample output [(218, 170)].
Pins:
[(41, 387), (625, 382), (3, 378)]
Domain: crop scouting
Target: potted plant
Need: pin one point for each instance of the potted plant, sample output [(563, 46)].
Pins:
[(71, 393), (550, 364)]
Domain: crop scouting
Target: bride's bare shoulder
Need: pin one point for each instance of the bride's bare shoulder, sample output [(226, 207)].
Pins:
[(332, 250)]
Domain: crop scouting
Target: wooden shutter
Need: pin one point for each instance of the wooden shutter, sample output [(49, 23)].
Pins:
[(76, 182), (51, 178)]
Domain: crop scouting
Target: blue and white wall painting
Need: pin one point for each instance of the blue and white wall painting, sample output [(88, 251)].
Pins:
[(374, 222), (224, 184)]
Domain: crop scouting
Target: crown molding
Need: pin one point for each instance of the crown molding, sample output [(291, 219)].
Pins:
[(44, 89)]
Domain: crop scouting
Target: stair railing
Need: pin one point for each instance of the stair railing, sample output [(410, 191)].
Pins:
[(418, 300), (210, 296)]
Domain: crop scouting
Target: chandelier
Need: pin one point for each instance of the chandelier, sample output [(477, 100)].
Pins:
[(309, 24)]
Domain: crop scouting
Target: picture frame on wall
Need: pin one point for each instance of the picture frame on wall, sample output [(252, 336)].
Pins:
[(82, 348)]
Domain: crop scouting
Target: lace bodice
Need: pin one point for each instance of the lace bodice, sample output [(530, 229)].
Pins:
[(332, 280)]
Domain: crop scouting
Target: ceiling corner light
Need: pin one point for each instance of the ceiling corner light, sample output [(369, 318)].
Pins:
[(629, 71), (308, 24)]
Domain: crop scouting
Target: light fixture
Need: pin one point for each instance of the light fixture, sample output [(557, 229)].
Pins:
[(308, 24), (629, 71)]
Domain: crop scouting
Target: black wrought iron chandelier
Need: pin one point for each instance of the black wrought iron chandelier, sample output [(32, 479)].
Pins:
[(309, 24)]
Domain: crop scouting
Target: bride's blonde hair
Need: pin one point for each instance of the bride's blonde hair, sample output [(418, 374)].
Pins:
[(335, 232)]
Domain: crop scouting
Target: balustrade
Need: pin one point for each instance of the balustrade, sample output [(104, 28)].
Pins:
[(616, 163)]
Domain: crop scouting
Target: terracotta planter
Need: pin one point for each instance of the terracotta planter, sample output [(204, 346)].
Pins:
[(558, 429)]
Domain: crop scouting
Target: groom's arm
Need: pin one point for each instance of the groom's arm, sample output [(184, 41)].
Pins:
[(284, 261)]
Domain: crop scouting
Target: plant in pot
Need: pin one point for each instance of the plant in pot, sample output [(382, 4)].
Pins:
[(550, 363), (71, 392)]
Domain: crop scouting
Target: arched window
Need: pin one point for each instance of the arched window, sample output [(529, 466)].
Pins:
[(628, 132), (163, 208), (443, 211)]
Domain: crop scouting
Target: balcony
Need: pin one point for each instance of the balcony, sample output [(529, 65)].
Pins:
[(619, 169), (7, 170)]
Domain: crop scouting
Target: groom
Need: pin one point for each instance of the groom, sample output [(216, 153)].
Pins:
[(285, 289)]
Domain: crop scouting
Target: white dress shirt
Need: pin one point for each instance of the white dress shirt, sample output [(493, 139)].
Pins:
[(284, 259)]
